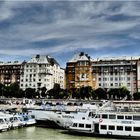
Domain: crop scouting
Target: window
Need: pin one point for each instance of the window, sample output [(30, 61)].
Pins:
[(81, 125), (111, 79), (128, 117), (128, 84), (128, 128), (136, 117), (128, 78), (111, 84), (104, 116), (99, 79), (103, 127), (74, 124), (111, 127), (137, 129), (88, 125), (112, 116), (120, 117), (116, 84), (119, 127)]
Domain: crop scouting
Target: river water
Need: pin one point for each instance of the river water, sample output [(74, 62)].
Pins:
[(39, 133)]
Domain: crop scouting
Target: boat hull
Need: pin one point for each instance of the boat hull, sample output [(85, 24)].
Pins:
[(91, 134)]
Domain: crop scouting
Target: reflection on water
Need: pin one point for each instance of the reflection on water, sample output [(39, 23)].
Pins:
[(38, 133)]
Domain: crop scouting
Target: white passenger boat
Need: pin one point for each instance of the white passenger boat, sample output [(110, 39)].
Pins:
[(112, 124), (16, 121), (28, 119), (3, 124), (64, 118)]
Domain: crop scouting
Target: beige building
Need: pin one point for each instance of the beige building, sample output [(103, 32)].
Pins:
[(116, 72), (79, 72), (106, 73)]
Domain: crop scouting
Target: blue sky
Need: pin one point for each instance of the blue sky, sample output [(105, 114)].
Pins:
[(62, 28)]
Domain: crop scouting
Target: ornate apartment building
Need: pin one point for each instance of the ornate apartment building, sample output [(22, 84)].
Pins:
[(106, 73), (116, 72), (79, 72), (10, 72), (41, 71)]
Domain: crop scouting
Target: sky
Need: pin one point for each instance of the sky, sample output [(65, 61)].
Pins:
[(62, 28)]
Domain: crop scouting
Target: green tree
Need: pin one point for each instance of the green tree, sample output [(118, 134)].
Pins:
[(101, 93), (43, 91), (114, 93), (93, 95), (124, 92), (30, 93), (1, 89), (136, 96)]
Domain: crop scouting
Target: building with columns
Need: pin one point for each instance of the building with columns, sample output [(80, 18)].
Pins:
[(41, 71)]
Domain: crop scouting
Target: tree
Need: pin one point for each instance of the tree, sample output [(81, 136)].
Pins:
[(114, 93), (136, 96), (30, 93), (1, 89), (124, 92), (93, 94), (101, 93), (43, 91)]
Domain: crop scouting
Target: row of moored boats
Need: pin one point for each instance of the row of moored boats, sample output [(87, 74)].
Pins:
[(15, 120), (95, 120)]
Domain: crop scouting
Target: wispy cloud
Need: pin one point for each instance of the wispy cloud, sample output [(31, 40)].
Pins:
[(51, 27)]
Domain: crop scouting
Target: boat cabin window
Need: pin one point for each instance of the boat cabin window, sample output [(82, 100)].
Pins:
[(112, 116), (81, 125), (111, 127), (136, 117), (128, 128), (104, 116), (119, 127), (128, 117), (91, 114), (88, 125), (97, 116), (1, 121), (104, 127), (120, 117), (137, 129), (74, 124)]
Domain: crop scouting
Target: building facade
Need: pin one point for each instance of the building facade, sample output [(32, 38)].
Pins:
[(106, 73), (79, 72), (41, 71), (115, 73), (10, 73)]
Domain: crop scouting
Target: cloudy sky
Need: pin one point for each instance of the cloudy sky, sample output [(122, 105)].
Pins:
[(63, 28)]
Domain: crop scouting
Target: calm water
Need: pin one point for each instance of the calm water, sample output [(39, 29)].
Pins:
[(38, 133)]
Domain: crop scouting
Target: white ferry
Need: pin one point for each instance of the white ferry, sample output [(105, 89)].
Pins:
[(64, 119), (114, 124)]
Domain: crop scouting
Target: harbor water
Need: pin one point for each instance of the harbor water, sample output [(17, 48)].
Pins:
[(39, 133)]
